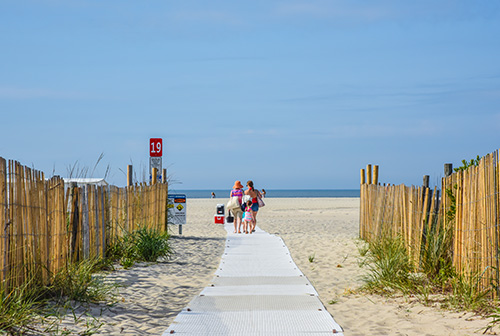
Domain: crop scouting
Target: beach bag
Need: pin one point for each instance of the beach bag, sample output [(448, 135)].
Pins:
[(233, 203), (260, 202)]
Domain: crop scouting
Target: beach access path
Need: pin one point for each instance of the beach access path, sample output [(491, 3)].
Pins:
[(257, 290)]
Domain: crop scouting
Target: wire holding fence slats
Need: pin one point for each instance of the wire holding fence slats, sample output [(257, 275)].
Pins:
[(45, 224)]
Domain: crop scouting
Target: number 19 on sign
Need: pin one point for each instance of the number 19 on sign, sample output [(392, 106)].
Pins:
[(155, 147)]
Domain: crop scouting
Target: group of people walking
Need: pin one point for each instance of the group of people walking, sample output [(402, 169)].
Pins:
[(244, 205)]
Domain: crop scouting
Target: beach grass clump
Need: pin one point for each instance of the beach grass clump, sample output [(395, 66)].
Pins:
[(123, 250), (18, 308), (81, 282), (152, 244), (142, 244), (311, 257), (432, 279), (468, 293), (389, 264), (29, 306), (436, 259)]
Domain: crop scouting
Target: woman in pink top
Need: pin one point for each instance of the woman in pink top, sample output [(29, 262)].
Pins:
[(237, 213)]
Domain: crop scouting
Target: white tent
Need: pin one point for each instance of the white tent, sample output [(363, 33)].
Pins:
[(84, 181)]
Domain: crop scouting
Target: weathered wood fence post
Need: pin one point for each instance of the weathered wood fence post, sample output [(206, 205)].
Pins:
[(425, 182), (85, 221), (369, 174), (448, 169), (103, 222), (129, 175), (74, 220), (154, 176), (375, 174)]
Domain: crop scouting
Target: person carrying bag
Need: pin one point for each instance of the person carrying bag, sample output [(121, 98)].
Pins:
[(234, 205)]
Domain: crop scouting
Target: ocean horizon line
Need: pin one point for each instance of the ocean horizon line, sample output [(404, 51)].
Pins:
[(278, 193), (271, 188)]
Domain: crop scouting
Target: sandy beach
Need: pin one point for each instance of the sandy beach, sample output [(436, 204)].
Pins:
[(151, 295)]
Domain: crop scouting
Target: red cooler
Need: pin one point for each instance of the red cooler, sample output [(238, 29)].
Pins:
[(219, 219)]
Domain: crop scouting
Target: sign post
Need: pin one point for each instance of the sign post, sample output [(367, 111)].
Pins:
[(155, 157), (177, 210)]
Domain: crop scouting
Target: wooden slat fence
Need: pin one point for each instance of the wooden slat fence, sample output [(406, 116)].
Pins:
[(476, 231), (472, 212), (397, 211), (45, 224)]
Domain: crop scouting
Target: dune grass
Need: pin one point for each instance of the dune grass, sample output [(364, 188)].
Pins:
[(433, 280), (18, 308), (142, 244), (25, 308), (81, 282), (31, 306)]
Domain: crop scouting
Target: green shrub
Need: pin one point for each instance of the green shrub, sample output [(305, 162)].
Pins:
[(467, 164)]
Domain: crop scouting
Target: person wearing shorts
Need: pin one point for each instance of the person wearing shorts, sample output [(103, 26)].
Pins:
[(237, 213), (253, 193)]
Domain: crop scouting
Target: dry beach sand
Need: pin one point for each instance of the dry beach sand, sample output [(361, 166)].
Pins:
[(326, 228)]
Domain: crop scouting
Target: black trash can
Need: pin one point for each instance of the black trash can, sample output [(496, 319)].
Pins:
[(220, 209)]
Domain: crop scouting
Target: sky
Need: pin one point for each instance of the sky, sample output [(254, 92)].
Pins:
[(290, 94)]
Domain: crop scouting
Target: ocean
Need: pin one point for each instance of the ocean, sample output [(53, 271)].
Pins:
[(278, 193)]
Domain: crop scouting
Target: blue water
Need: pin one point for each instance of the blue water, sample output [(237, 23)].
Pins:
[(278, 193)]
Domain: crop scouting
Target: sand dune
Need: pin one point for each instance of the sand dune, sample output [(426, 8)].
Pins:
[(325, 229)]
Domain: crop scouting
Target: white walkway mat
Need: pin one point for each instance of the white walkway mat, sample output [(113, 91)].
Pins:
[(257, 290)]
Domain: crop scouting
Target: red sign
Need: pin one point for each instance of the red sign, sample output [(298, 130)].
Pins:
[(156, 147)]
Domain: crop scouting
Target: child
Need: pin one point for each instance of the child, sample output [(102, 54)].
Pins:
[(248, 217)]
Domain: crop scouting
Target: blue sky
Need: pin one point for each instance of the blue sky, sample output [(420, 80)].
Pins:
[(292, 94)]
